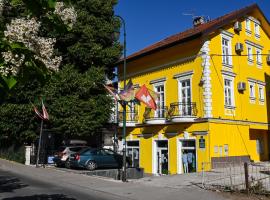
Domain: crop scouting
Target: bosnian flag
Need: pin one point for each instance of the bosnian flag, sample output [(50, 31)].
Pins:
[(145, 97)]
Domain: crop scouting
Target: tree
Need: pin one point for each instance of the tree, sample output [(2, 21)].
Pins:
[(62, 54)]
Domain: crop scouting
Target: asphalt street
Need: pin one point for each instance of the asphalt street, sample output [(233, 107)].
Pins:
[(15, 186), (18, 181)]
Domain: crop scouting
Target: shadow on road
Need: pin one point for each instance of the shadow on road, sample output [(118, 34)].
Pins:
[(41, 197), (8, 184)]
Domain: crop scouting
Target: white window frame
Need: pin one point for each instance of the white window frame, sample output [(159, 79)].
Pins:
[(228, 37), (252, 94), (226, 149), (134, 147), (248, 26), (155, 86), (250, 54), (261, 94), (258, 57), (257, 30), (231, 79)]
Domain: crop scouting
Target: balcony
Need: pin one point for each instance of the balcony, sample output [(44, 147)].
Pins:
[(158, 116), (131, 118), (183, 112)]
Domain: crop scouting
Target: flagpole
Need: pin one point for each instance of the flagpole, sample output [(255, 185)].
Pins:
[(39, 142)]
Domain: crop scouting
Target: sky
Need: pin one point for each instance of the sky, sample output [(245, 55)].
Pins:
[(149, 21)]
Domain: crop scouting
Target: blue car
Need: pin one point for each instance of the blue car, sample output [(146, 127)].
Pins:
[(93, 158)]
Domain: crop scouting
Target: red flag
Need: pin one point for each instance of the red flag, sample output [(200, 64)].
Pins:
[(145, 97), (45, 113)]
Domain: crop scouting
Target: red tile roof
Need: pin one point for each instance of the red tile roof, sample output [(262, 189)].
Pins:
[(194, 32)]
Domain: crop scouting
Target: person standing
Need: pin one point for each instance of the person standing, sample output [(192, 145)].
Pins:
[(190, 158)]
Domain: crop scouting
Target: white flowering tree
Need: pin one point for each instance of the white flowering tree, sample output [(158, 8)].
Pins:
[(23, 47)]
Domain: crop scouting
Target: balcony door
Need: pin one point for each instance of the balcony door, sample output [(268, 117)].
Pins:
[(160, 111), (185, 97)]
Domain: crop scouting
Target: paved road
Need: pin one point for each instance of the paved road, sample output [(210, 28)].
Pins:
[(15, 186), (30, 183)]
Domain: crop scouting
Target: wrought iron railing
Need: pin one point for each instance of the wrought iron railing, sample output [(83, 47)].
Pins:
[(159, 113), (131, 116), (180, 109)]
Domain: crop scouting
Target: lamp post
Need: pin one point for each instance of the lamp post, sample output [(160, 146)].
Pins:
[(124, 171)]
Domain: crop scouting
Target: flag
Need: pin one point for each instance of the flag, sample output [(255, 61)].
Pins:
[(45, 113), (128, 94), (113, 92), (145, 97), (38, 113)]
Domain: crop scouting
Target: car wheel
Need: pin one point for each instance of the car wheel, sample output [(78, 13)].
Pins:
[(91, 165), (67, 164)]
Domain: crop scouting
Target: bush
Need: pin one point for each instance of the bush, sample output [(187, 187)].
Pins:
[(13, 153)]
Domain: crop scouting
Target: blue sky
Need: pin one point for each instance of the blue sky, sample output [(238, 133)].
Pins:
[(149, 21)]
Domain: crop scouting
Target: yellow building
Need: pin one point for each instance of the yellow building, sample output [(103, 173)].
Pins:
[(213, 105)]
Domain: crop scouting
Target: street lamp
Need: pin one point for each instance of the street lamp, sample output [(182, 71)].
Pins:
[(124, 171)]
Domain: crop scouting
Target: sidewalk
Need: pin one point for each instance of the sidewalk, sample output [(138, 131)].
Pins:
[(164, 187)]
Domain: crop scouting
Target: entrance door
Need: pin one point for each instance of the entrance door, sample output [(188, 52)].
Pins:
[(187, 160), (162, 157)]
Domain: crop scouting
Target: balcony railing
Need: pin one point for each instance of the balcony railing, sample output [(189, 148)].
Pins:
[(182, 111), (131, 118), (158, 116)]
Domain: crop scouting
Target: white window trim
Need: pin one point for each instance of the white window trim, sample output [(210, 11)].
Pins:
[(179, 80), (160, 83), (231, 78), (135, 140), (228, 36), (252, 99), (259, 61), (248, 29), (257, 33), (250, 60), (261, 100)]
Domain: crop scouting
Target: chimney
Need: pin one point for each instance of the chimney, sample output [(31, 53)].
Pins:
[(197, 21)]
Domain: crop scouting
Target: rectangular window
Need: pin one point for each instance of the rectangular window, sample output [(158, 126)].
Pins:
[(160, 111), (220, 151), (226, 51), (257, 30), (228, 92), (252, 90), (259, 57), (133, 152), (185, 97), (249, 53), (215, 149), (259, 146), (248, 27), (261, 92), (226, 149)]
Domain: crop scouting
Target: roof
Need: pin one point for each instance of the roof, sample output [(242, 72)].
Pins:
[(195, 32)]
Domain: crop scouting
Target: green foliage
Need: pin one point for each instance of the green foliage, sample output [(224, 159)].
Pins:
[(77, 103), (75, 98), (13, 153)]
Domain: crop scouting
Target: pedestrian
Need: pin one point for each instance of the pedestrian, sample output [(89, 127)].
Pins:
[(190, 159)]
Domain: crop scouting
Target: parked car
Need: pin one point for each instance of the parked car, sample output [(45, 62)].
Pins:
[(61, 157), (93, 158)]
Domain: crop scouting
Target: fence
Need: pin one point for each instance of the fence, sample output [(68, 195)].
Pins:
[(248, 177)]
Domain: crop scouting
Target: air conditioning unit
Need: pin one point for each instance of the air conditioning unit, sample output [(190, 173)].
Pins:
[(239, 47), (241, 86), (238, 26), (268, 59)]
